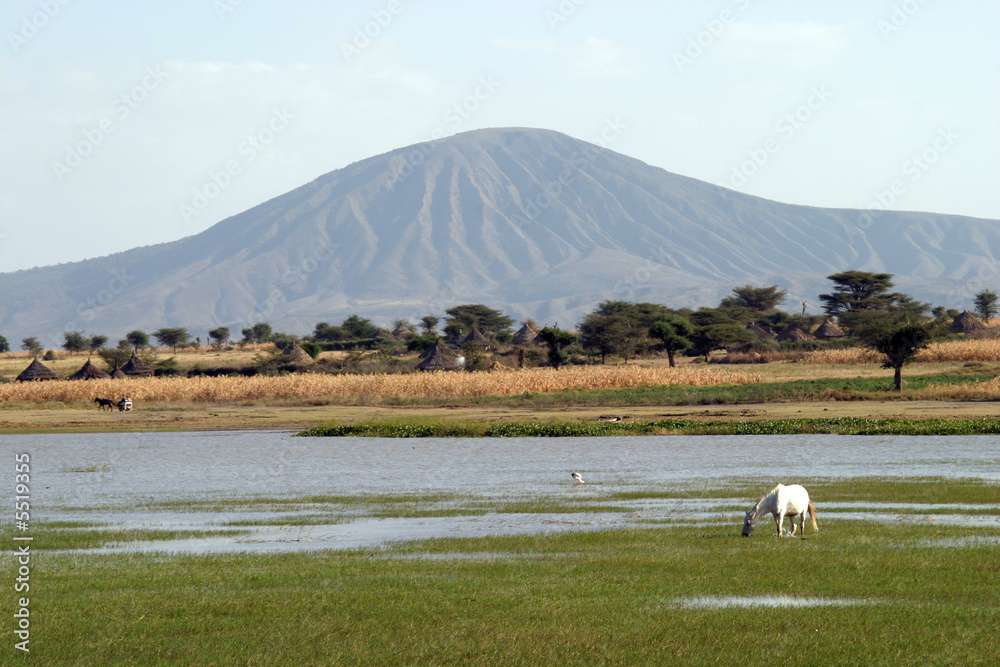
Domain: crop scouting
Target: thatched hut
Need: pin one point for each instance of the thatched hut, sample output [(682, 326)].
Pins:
[(829, 329), (439, 358), (759, 330), (967, 322), (298, 356), (36, 372), (89, 372), (118, 374), (526, 335), (795, 334), (477, 338), (136, 367)]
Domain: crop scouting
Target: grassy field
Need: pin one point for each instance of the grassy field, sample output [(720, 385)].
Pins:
[(643, 390), (871, 594)]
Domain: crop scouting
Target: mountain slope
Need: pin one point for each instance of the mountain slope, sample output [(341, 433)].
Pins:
[(534, 221)]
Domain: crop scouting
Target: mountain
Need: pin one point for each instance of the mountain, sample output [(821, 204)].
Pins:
[(533, 221)]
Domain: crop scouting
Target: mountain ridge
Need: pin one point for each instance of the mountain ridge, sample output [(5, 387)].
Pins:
[(533, 221)]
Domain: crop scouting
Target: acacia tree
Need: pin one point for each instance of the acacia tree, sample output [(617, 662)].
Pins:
[(32, 345), (556, 339), (138, 339), (489, 321), (899, 344), (172, 337), (674, 333), (220, 336), (429, 324), (758, 300), (606, 334), (986, 304), (75, 341), (857, 290), (97, 341)]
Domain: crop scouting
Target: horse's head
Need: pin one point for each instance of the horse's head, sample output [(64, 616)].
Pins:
[(748, 524)]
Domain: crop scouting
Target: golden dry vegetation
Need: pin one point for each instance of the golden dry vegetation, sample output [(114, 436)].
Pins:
[(348, 388), (973, 349)]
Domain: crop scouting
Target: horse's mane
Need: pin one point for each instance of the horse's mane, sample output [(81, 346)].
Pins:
[(756, 507)]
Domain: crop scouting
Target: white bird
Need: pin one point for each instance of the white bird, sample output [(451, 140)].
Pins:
[(577, 477)]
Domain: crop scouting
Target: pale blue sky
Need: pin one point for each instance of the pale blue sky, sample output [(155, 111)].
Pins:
[(126, 124)]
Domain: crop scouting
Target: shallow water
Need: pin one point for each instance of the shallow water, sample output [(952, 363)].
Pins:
[(132, 471)]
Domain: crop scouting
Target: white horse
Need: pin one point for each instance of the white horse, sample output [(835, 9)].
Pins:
[(781, 501)]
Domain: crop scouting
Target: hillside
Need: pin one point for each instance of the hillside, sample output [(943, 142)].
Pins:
[(533, 221)]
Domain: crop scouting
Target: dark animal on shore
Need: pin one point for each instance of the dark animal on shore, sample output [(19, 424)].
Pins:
[(105, 403)]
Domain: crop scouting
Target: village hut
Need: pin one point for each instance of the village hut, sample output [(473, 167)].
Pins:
[(476, 337), (967, 322), (526, 335), (439, 358), (136, 367), (759, 330), (795, 334), (89, 372), (36, 372), (829, 329), (118, 374), (403, 330), (298, 356)]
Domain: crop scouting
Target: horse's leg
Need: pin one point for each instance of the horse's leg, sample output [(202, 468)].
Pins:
[(791, 520), (802, 525), (780, 521)]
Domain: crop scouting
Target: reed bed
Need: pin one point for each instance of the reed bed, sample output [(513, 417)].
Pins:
[(979, 349), (357, 388)]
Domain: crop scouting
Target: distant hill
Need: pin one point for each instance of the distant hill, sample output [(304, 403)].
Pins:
[(533, 221)]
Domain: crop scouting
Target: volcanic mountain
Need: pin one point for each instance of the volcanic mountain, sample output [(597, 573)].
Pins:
[(532, 221)]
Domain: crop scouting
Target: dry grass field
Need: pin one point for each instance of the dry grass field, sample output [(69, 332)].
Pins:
[(367, 387), (975, 349)]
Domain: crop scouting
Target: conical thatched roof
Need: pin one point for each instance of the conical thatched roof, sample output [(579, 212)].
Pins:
[(795, 333), (967, 322), (438, 358), (525, 335), (760, 330), (829, 329), (404, 330), (118, 374), (476, 337), (298, 356), (35, 372), (89, 372), (136, 366)]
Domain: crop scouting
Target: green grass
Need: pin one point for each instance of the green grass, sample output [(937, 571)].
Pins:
[(598, 598), (884, 489), (432, 428), (47, 537)]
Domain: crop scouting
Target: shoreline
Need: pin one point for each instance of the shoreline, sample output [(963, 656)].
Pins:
[(25, 420)]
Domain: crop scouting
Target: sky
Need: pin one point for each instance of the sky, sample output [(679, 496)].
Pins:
[(129, 124)]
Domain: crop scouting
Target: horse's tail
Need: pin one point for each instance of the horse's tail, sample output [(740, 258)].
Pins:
[(812, 515)]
